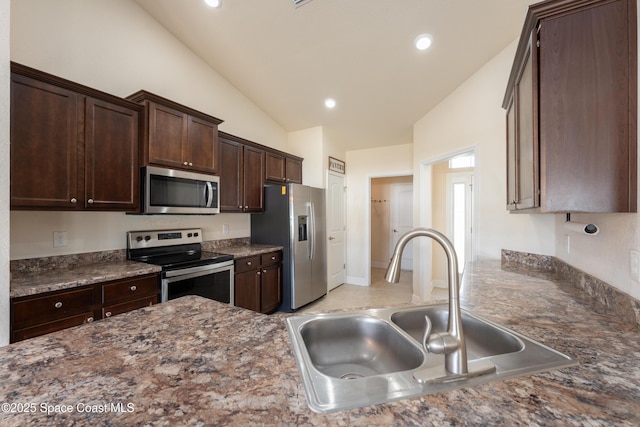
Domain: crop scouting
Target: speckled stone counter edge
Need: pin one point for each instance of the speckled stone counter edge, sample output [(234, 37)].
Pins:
[(608, 297)]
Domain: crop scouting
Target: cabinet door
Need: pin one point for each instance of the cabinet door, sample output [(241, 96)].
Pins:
[(275, 167), (48, 327), (512, 196), (587, 103), (230, 170), (247, 290), (271, 294), (527, 134), (111, 157), (293, 168), (44, 145), (253, 182), (200, 150), (167, 133)]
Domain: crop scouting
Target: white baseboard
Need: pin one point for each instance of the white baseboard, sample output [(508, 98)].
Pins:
[(354, 280)]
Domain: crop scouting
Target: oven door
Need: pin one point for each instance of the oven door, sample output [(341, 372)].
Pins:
[(213, 281)]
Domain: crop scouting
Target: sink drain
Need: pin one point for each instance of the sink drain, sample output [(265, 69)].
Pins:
[(351, 376)]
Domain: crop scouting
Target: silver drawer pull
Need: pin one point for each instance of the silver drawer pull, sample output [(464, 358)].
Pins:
[(107, 314), (133, 288), (273, 257), (58, 304), (248, 262), (89, 319)]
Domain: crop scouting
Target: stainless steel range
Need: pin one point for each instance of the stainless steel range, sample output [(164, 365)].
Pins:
[(186, 268)]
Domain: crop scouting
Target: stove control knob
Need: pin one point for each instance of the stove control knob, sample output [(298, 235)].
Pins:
[(147, 238), (139, 239), (195, 234), (189, 234)]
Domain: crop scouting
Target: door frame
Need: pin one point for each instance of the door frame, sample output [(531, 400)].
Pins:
[(422, 280), (367, 219)]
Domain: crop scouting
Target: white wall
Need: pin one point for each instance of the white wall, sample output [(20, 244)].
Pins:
[(116, 47), (361, 166), (4, 171), (472, 116), (307, 143)]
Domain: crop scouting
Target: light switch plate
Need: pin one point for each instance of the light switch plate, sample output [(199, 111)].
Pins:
[(634, 264)]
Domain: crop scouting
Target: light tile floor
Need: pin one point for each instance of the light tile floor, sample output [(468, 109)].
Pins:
[(379, 294)]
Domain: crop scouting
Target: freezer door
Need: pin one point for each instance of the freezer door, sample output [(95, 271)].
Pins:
[(301, 240)]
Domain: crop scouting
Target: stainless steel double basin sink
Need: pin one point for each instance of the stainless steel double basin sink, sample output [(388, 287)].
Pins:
[(365, 357)]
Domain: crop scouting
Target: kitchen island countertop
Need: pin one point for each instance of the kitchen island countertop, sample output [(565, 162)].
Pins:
[(193, 361)]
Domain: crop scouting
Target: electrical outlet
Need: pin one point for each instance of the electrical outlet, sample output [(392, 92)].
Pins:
[(225, 228), (568, 243), (634, 265), (59, 239)]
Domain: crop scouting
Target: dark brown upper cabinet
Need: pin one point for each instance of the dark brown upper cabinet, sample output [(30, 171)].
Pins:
[(72, 147), (283, 168), (177, 136), (241, 175), (571, 105)]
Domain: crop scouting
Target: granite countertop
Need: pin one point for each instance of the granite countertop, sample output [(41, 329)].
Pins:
[(193, 361), (24, 283), (242, 251)]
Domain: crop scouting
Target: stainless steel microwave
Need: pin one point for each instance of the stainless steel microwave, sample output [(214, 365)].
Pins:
[(171, 191)]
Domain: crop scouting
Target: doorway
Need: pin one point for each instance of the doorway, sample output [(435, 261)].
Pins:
[(391, 216), (451, 211)]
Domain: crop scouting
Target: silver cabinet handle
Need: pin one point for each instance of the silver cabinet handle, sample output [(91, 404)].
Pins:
[(190, 164), (185, 163), (58, 304), (133, 288), (90, 201), (264, 271), (248, 262), (273, 257), (258, 273), (107, 314), (89, 319), (246, 207), (74, 200)]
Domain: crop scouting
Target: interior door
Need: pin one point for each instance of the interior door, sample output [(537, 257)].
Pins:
[(401, 221), (335, 231)]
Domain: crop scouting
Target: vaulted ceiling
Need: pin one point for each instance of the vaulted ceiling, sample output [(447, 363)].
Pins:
[(288, 59)]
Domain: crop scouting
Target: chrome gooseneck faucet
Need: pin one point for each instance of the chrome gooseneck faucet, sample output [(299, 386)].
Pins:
[(450, 343)]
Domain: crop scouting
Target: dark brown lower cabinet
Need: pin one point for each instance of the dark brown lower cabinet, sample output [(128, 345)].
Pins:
[(36, 315), (258, 282)]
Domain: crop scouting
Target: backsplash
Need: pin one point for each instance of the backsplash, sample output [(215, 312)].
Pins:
[(600, 294), (33, 265)]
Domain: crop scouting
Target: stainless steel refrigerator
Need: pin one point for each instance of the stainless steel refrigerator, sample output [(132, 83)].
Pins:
[(294, 218)]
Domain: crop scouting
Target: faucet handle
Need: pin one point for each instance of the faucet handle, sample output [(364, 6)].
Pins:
[(427, 333)]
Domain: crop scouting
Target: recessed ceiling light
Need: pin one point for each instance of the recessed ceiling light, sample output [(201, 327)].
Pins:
[(330, 103), (423, 41), (213, 3)]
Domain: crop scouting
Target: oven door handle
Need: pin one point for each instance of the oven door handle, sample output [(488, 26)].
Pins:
[(191, 272)]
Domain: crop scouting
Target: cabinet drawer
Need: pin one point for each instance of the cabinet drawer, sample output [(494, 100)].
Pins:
[(271, 258), (246, 264), (129, 289), (52, 307), (112, 310), (46, 328)]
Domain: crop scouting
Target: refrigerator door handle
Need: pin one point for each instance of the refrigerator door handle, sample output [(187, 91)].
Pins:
[(312, 232)]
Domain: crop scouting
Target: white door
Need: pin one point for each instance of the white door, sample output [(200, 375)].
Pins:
[(460, 214), (401, 220), (335, 231)]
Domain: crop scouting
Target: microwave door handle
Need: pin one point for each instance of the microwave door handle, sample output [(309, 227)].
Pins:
[(208, 194)]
